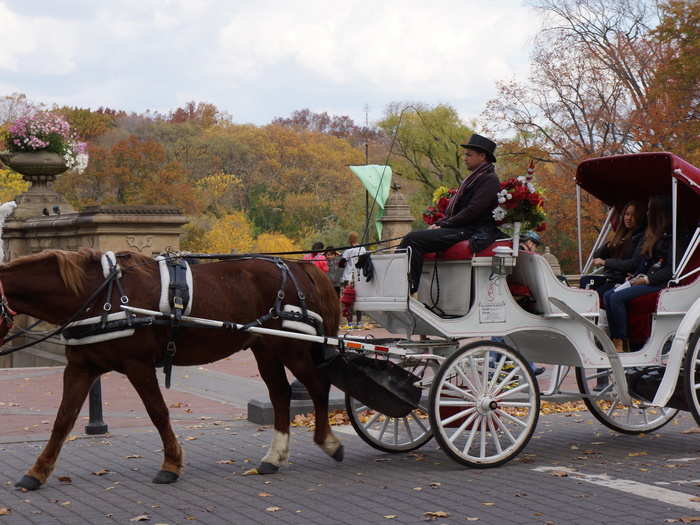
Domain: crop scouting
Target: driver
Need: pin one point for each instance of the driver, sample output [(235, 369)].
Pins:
[(468, 214)]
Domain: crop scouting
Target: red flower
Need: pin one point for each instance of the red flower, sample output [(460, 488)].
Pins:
[(542, 227)]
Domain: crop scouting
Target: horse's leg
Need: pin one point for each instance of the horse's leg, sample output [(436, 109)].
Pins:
[(143, 377), (302, 366), (272, 372), (76, 384)]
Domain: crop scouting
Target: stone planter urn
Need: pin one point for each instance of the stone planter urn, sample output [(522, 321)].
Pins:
[(40, 169), (35, 166)]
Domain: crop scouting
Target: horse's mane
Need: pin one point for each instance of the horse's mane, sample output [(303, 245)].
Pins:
[(72, 265)]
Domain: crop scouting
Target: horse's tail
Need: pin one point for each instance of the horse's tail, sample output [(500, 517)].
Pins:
[(322, 298)]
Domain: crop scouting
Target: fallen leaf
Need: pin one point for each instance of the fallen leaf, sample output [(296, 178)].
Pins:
[(471, 518), (435, 515), (264, 494), (133, 456), (226, 461), (273, 509), (101, 472), (391, 516), (689, 519), (66, 503), (417, 488), (487, 503), (633, 454), (434, 485), (142, 517), (251, 472), (694, 430), (559, 473), (190, 438), (71, 438), (65, 479), (4, 511), (694, 498)]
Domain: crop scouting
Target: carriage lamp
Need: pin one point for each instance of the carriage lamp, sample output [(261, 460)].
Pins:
[(500, 259)]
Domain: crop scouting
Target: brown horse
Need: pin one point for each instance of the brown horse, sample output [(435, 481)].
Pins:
[(53, 285)]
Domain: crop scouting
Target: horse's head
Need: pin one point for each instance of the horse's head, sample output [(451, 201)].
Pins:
[(7, 315)]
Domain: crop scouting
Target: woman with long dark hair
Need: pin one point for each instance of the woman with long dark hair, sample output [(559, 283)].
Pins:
[(618, 256), (653, 272)]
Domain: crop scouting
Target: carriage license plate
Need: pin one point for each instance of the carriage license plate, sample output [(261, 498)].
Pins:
[(492, 313)]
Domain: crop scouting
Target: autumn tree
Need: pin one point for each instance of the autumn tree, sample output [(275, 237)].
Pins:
[(231, 233), (11, 185)]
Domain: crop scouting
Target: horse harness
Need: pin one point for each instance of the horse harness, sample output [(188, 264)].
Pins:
[(176, 300)]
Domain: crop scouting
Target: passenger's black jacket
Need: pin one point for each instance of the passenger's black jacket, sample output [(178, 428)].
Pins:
[(659, 267), (473, 212), (624, 259)]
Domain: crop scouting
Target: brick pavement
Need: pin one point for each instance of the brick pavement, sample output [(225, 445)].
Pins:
[(366, 488)]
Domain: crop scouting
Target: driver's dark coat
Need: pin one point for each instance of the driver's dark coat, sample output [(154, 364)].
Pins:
[(473, 212)]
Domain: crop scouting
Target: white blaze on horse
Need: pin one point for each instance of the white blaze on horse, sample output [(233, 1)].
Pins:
[(55, 285)]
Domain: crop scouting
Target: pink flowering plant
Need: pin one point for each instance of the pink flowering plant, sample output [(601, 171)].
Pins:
[(44, 131)]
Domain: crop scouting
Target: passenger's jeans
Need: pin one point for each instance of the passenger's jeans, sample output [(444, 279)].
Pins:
[(616, 307)]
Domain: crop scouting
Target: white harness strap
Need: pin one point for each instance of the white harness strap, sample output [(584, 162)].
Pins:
[(99, 337), (164, 303), (106, 259), (299, 326)]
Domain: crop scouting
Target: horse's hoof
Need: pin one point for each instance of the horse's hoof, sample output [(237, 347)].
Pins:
[(267, 468), (28, 482), (339, 454), (164, 477)]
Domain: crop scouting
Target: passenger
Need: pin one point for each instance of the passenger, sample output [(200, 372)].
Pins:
[(468, 214), (317, 257), (652, 274), (529, 241), (620, 255)]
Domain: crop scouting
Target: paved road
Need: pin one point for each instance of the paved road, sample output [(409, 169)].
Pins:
[(574, 471)]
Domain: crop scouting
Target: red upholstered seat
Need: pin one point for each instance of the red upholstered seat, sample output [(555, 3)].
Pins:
[(462, 251), (640, 309)]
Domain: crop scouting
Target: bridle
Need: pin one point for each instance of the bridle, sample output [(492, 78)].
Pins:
[(7, 314)]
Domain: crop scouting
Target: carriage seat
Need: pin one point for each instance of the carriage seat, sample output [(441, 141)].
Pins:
[(640, 310), (462, 251)]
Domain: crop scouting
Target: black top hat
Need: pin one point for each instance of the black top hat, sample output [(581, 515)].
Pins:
[(482, 144)]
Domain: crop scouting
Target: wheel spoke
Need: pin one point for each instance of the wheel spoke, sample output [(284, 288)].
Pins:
[(507, 393), (468, 444), (458, 415), (384, 427), (456, 389), (507, 379), (494, 436), (371, 420), (515, 404), (482, 438), (461, 428), (503, 426), (497, 372), (408, 429), (510, 418), (396, 431)]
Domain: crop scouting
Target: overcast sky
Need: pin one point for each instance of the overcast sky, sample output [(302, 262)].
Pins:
[(259, 59)]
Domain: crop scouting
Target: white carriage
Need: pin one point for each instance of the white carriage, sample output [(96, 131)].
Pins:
[(481, 399)]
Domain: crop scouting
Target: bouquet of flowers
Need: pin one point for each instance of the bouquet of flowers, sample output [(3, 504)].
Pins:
[(44, 131), (441, 197), (520, 201)]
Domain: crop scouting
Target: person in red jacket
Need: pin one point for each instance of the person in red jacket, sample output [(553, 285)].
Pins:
[(317, 257)]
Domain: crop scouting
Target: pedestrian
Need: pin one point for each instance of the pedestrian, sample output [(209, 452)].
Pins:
[(348, 261), (469, 213), (335, 271), (316, 257)]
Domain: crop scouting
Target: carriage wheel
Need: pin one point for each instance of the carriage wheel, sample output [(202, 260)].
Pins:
[(484, 404), (692, 376), (605, 406), (392, 434)]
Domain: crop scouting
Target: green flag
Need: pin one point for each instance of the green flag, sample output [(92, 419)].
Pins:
[(377, 181)]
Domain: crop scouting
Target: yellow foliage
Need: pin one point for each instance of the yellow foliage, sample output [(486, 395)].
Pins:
[(11, 185), (231, 232), (274, 242), (214, 186)]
